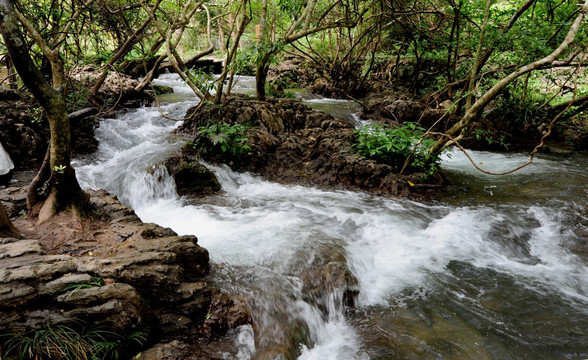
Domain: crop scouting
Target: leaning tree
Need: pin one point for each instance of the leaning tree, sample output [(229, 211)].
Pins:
[(457, 131), (55, 187)]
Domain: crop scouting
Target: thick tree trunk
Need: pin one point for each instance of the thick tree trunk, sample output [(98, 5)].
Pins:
[(260, 80), (64, 191)]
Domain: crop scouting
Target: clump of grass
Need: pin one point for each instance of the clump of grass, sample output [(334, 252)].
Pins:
[(72, 341), (93, 282)]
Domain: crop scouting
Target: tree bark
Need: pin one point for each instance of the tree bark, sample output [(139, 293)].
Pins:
[(63, 187), (261, 77)]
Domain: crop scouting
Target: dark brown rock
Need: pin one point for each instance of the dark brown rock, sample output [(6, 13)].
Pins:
[(14, 200), (273, 116), (225, 313), (191, 177)]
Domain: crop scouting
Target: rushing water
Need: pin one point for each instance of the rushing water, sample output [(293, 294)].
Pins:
[(495, 269)]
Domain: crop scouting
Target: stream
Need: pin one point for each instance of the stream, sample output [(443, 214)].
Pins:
[(495, 268)]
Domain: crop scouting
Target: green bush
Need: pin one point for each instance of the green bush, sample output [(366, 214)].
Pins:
[(222, 139), (393, 146)]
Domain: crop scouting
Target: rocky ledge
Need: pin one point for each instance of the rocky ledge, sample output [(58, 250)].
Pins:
[(113, 272), (290, 142)]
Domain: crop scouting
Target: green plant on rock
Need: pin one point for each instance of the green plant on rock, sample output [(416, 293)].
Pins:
[(222, 139), (278, 89), (93, 282), (68, 342), (394, 146)]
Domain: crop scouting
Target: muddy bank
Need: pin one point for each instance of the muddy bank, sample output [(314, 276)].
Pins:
[(289, 142)]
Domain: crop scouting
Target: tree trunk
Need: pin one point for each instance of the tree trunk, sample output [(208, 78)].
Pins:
[(472, 83), (261, 78), (6, 226), (63, 189)]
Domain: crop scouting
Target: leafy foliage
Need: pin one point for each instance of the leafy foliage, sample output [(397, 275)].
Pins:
[(226, 140), (393, 146), (203, 78), (490, 138)]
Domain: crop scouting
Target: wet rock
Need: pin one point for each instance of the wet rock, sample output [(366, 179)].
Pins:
[(173, 350), (118, 304), (179, 350), (191, 177), (273, 116), (14, 200), (191, 299), (225, 313)]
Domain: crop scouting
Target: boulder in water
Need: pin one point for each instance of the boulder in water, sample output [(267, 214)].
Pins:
[(291, 142), (191, 177)]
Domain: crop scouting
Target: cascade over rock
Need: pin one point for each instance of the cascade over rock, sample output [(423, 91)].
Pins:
[(191, 177)]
